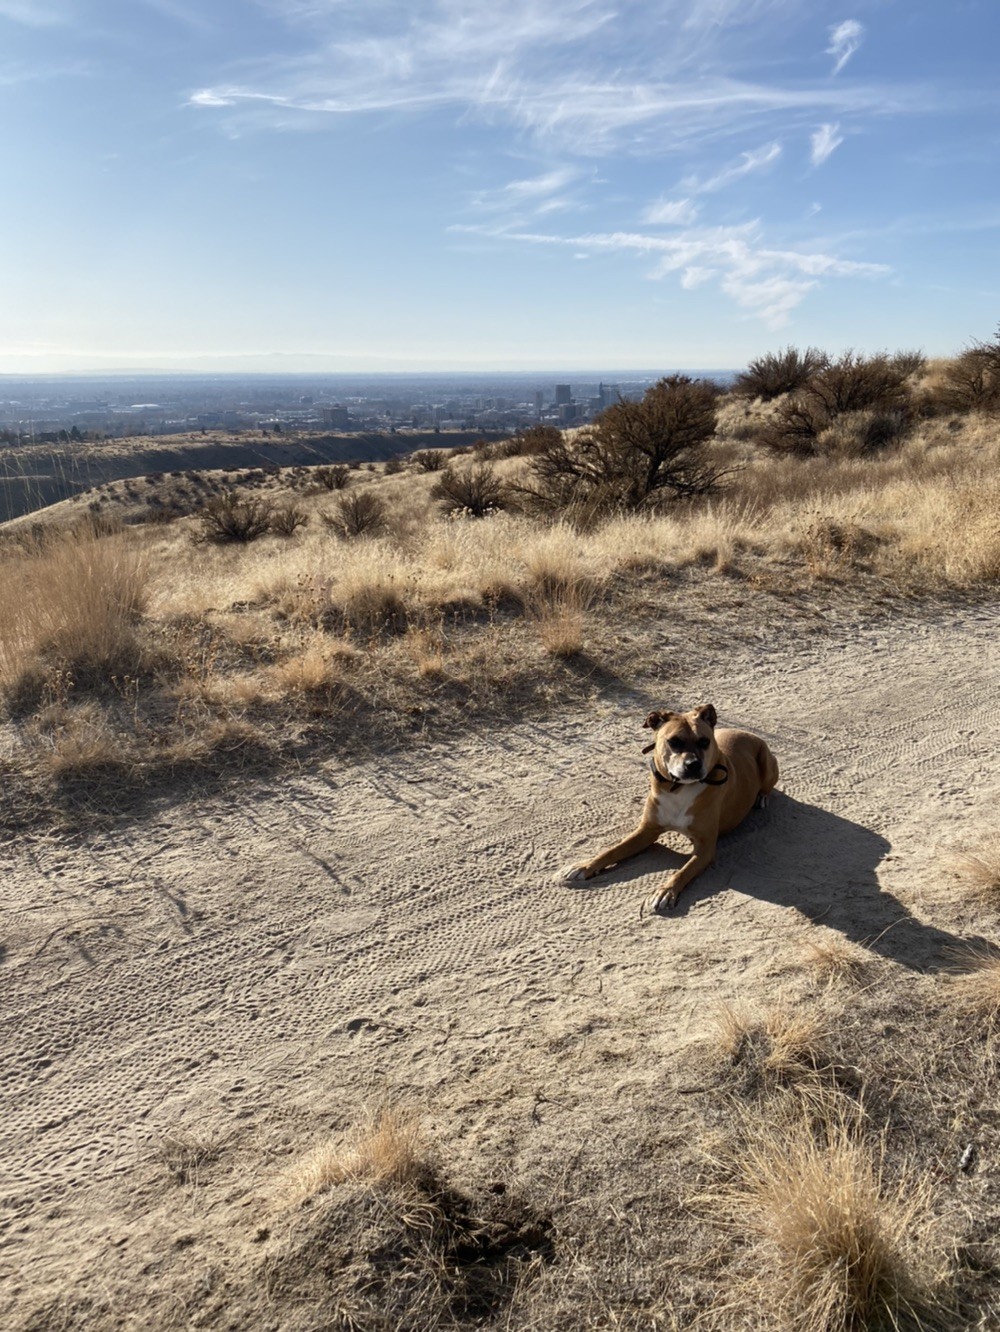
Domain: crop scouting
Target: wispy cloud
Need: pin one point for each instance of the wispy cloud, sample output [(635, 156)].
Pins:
[(845, 39), (587, 77), (746, 164), (535, 187), (530, 196), (34, 13), (769, 283), (823, 142), (671, 212)]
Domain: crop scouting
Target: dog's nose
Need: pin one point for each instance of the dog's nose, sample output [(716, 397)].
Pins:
[(692, 763)]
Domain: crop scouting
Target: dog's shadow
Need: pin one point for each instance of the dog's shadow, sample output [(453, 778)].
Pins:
[(802, 856)]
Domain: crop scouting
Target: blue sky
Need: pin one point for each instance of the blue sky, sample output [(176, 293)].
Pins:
[(581, 184)]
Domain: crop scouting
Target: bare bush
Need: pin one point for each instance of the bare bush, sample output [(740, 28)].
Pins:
[(430, 460), (360, 513), (971, 382), (393, 465), (475, 491), (854, 383), (332, 478), (635, 454), (775, 373), (232, 517), (854, 406), (794, 428), (287, 519)]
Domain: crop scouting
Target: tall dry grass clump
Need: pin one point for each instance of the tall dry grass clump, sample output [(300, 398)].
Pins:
[(776, 1047), (389, 1150), (975, 992), (979, 869), (833, 1245), (71, 605)]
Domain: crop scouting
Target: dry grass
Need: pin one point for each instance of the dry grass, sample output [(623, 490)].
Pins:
[(71, 605), (979, 870), (834, 1245), (778, 1046), (833, 959), (316, 669), (560, 619), (975, 992), (185, 1152), (387, 1151)]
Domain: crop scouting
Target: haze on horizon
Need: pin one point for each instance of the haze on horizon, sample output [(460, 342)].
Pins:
[(329, 186)]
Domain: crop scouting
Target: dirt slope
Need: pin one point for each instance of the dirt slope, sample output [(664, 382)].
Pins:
[(269, 965)]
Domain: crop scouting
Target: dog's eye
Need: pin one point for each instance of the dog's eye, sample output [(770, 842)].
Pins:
[(676, 745), (702, 743)]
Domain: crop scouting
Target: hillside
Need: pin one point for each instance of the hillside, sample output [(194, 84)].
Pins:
[(304, 1029), (34, 476)]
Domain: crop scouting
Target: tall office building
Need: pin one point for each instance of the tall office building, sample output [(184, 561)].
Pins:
[(564, 395)]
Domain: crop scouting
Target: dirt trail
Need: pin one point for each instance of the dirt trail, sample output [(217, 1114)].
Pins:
[(400, 925)]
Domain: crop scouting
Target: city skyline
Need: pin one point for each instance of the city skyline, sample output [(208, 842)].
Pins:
[(321, 186)]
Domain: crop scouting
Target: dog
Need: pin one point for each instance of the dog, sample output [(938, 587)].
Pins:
[(702, 782)]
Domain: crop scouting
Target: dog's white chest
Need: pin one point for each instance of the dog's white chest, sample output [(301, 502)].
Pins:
[(673, 808)]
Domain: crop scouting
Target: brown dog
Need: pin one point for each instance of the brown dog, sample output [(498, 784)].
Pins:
[(702, 782)]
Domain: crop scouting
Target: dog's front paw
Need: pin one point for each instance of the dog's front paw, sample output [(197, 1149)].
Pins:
[(578, 874), (664, 900)]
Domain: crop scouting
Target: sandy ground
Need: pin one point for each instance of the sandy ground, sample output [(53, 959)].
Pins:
[(273, 963)]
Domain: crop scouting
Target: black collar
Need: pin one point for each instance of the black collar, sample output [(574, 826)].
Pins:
[(702, 781)]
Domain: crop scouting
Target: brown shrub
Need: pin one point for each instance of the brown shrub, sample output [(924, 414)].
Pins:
[(360, 513), (231, 517), (971, 382), (775, 373), (527, 443), (854, 383), (854, 406), (430, 460), (635, 454), (332, 478), (473, 492), (287, 519)]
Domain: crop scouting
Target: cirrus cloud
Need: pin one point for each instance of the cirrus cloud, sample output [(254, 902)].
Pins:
[(845, 38), (766, 281), (823, 142)]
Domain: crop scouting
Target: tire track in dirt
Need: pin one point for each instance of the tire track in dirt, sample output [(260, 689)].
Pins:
[(401, 923)]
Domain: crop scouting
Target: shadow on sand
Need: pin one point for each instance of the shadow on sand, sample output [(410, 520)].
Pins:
[(801, 856)]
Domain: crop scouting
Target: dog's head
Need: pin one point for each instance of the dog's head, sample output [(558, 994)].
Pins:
[(685, 742)]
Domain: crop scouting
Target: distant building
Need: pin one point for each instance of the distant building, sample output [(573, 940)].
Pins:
[(337, 417), (567, 413), (564, 395)]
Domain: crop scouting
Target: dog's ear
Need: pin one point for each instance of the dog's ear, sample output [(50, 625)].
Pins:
[(707, 713), (656, 719)]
